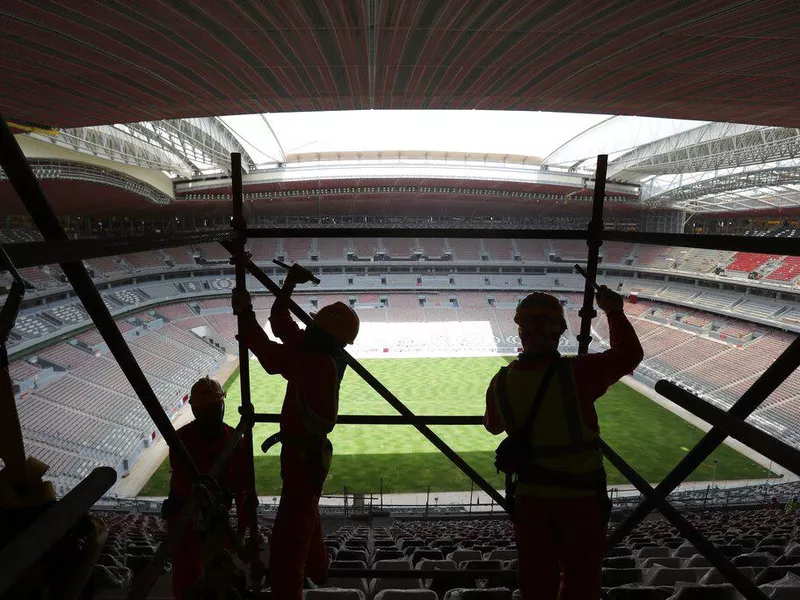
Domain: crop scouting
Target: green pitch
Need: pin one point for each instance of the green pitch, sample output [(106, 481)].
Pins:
[(649, 437)]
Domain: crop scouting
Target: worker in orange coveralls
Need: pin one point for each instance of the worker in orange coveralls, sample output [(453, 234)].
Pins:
[(561, 508), (204, 438), (312, 362)]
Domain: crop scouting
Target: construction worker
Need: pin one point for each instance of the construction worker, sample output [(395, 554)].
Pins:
[(204, 438), (561, 508), (312, 362)]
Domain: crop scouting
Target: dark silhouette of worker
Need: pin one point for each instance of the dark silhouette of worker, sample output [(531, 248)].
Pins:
[(312, 362), (561, 508), (204, 438)]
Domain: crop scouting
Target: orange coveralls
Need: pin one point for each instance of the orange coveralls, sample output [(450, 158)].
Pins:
[(312, 394), (566, 534), (187, 559)]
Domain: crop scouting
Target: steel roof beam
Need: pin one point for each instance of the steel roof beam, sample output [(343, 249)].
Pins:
[(707, 148), (111, 143), (713, 189)]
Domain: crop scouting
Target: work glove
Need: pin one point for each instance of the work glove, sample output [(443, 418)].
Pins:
[(241, 302), (298, 274), (609, 301)]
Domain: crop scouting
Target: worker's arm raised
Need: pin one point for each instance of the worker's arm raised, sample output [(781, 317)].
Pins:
[(594, 373), (271, 355), (283, 326)]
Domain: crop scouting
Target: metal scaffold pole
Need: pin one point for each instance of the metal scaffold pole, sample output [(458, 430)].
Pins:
[(240, 259), (594, 240)]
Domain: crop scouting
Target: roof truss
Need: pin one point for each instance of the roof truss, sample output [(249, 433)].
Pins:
[(709, 147)]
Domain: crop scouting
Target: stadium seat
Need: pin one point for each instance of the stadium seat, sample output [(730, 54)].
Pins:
[(638, 592), (787, 560), (459, 556), (694, 591), (653, 552), (387, 554), (754, 559), (685, 551), (333, 594), (698, 560), (347, 553), (618, 577), (348, 583), (425, 553), (502, 554), (786, 588), (665, 561), (658, 576), (385, 583), (620, 562), (479, 594), (440, 565), (771, 574), (406, 595), (714, 577)]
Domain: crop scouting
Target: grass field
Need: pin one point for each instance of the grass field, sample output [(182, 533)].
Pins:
[(651, 438)]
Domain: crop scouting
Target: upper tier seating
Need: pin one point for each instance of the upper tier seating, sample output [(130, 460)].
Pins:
[(332, 249), (296, 250), (748, 261), (263, 249), (145, 260), (787, 271)]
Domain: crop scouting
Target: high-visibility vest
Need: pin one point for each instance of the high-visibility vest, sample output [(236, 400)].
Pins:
[(566, 460)]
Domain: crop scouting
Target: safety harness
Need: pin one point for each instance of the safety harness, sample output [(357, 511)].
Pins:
[(521, 458)]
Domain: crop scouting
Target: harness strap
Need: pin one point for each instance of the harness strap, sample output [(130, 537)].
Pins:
[(536, 474), (571, 409), (311, 420), (556, 451), (526, 429)]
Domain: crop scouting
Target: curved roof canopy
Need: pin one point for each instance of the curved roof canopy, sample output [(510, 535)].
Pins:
[(667, 158)]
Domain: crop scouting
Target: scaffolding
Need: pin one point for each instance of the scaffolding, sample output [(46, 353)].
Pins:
[(25, 550)]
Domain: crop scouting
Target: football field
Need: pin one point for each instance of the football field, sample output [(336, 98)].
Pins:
[(649, 437)]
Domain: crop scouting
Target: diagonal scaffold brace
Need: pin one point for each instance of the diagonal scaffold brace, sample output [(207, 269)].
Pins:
[(766, 384), (376, 385), (744, 585)]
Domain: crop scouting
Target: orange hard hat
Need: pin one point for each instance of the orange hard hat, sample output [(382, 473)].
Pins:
[(339, 320), (206, 392), (539, 304)]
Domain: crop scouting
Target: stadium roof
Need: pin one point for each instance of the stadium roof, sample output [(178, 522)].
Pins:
[(722, 60), (66, 67)]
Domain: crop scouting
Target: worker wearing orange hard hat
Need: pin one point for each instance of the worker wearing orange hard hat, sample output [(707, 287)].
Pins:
[(556, 484), (204, 439), (313, 364)]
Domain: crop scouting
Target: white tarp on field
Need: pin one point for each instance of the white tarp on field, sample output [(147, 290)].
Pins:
[(449, 338)]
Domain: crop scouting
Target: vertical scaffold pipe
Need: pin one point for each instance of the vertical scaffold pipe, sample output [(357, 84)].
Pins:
[(594, 240), (246, 409)]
